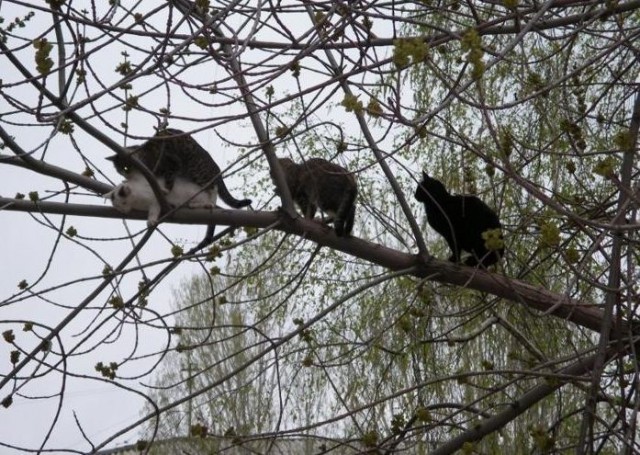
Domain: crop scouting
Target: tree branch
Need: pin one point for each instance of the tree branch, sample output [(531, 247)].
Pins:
[(50, 170), (528, 400), (584, 314)]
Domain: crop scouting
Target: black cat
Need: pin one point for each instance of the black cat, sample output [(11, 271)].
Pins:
[(461, 220), (318, 183)]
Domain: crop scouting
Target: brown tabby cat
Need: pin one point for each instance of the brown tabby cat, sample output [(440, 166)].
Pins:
[(318, 183)]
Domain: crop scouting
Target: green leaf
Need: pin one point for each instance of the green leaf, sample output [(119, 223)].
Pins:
[(43, 61)]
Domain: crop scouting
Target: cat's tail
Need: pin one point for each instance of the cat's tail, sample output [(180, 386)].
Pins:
[(228, 199), (346, 214), (208, 238)]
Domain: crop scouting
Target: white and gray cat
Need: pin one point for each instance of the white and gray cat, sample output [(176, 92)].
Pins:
[(184, 170), (135, 193)]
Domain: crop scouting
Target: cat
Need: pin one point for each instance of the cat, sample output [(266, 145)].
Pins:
[(318, 183), (173, 157), (461, 220), (135, 193), (172, 154)]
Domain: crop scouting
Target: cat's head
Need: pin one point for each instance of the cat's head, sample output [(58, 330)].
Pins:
[(289, 169), (121, 198), (168, 132), (429, 189), (122, 163), (286, 163)]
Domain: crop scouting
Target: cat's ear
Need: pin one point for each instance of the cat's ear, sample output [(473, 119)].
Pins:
[(425, 175), (130, 151)]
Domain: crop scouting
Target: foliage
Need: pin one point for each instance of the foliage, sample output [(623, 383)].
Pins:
[(281, 329)]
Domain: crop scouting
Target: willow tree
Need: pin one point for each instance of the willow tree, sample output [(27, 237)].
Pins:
[(533, 107)]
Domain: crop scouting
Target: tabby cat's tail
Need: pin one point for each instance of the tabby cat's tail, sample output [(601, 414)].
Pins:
[(346, 214), (228, 199)]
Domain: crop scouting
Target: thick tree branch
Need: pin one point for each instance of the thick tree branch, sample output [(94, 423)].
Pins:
[(613, 296), (56, 172), (584, 314), (580, 368)]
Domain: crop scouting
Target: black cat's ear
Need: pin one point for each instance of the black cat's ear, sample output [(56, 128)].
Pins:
[(425, 175)]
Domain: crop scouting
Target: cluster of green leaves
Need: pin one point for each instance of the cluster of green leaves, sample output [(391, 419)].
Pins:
[(116, 302), (493, 239), (351, 103), (472, 43), (18, 22), (108, 371), (43, 48), (407, 51)]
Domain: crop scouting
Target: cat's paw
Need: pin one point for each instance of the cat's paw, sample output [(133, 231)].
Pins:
[(154, 215), (338, 225), (471, 261)]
